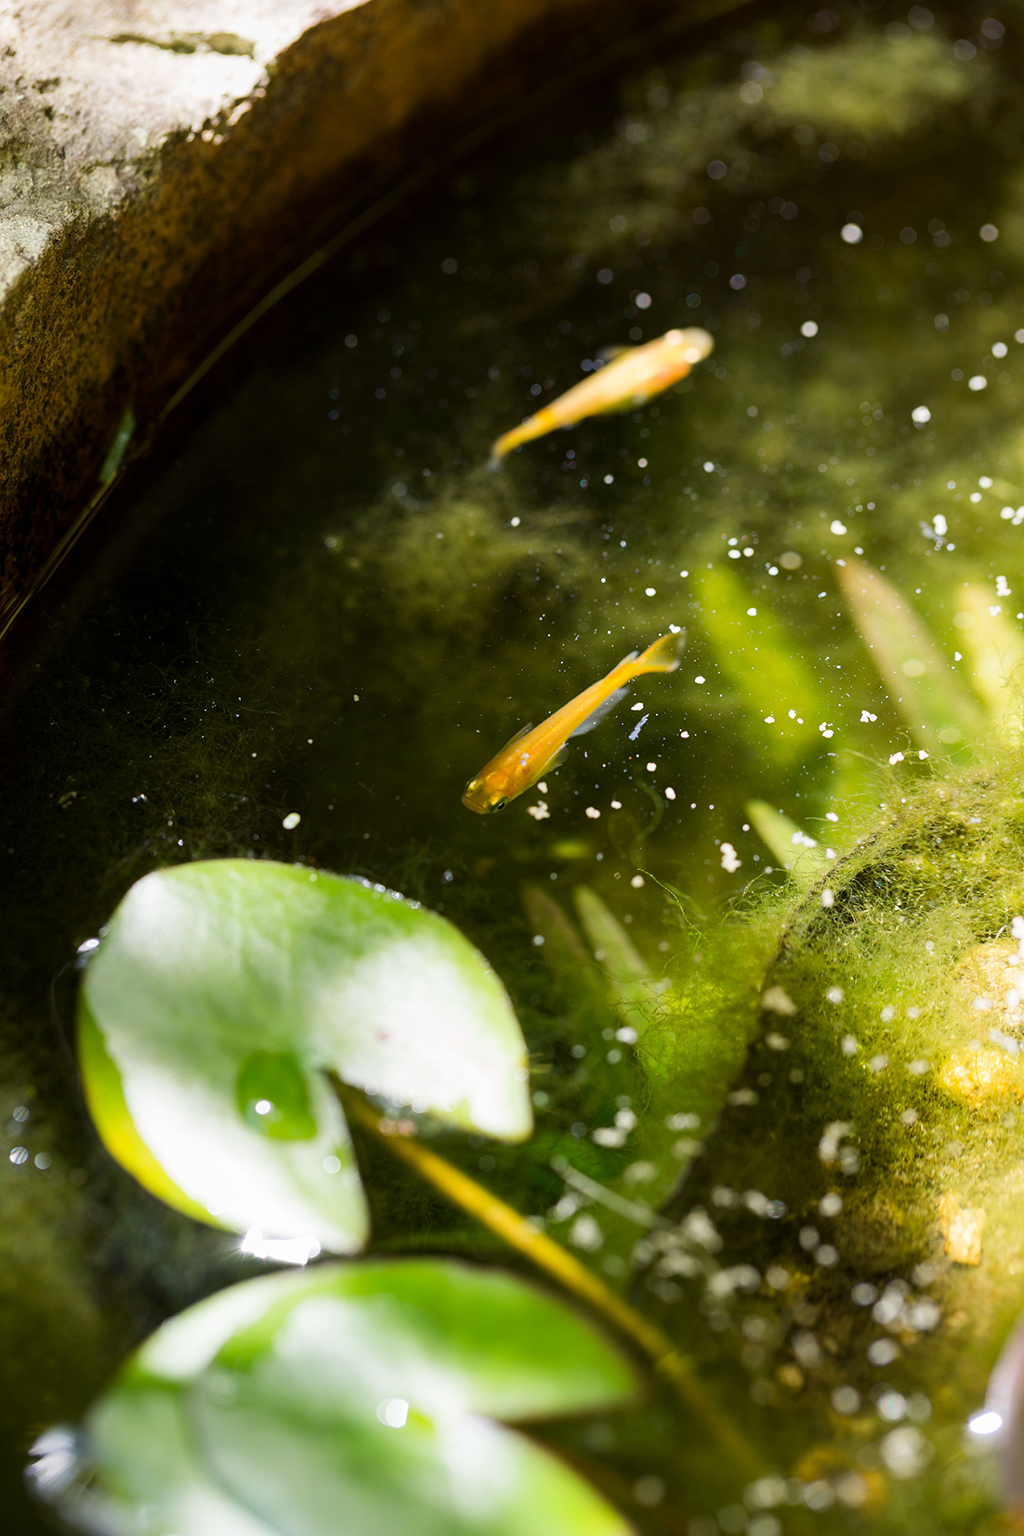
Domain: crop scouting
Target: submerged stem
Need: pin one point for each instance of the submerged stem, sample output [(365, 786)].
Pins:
[(568, 1271), (643, 833)]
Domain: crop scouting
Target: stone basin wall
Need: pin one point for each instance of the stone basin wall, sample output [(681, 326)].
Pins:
[(162, 162)]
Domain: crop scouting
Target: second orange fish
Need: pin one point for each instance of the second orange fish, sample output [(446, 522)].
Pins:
[(631, 378)]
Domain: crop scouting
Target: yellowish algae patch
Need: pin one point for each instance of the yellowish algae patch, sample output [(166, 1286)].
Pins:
[(983, 1078), (962, 1227), (872, 89)]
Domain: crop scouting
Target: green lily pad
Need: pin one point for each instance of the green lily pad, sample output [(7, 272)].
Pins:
[(223, 994), (360, 1397)]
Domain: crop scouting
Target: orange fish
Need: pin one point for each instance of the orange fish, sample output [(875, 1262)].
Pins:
[(632, 376), (539, 748)]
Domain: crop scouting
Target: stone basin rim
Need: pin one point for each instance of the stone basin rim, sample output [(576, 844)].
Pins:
[(151, 273)]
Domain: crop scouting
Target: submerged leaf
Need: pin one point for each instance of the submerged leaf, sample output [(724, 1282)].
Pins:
[(925, 689), (854, 787), (225, 992), (359, 1398), (565, 953)]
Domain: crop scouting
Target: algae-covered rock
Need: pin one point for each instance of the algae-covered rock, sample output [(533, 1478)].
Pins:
[(879, 1111)]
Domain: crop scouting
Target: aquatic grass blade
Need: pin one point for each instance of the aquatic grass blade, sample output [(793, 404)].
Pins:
[(994, 648), (223, 994), (632, 989), (368, 1397), (853, 790), (565, 953), (803, 858), (760, 658), (927, 692)]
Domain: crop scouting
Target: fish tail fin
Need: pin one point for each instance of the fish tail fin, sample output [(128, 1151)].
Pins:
[(499, 448), (662, 656), (525, 432)]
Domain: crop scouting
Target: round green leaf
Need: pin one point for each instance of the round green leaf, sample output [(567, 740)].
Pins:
[(360, 1398), (150, 1462), (222, 995)]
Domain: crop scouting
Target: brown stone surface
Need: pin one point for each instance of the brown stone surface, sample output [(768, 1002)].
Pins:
[(159, 164)]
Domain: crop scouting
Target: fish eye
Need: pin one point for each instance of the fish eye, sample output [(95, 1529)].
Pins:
[(499, 805)]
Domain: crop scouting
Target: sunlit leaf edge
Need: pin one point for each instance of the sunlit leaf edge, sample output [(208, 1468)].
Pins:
[(105, 1101), (105, 1089)]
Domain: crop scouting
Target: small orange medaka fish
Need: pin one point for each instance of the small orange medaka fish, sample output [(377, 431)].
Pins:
[(632, 376), (539, 748)]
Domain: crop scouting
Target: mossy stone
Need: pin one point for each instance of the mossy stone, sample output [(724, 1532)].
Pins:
[(879, 1105)]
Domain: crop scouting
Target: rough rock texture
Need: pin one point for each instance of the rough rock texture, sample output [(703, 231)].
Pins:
[(160, 162)]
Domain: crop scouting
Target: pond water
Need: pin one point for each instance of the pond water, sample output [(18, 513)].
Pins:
[(318, 603)]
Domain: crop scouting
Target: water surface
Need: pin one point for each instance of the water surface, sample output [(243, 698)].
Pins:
[(319, 601)]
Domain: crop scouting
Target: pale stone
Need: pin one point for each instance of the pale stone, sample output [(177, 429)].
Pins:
[(162, 164)]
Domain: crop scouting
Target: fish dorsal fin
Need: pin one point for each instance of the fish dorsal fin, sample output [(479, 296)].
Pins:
[(517, 737), (597, 715), (608, 354)]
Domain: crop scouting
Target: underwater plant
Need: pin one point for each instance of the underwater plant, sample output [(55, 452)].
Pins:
[(221, 1018)]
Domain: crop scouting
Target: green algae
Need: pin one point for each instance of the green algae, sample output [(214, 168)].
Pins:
[(876, 90), (879, 1104)]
